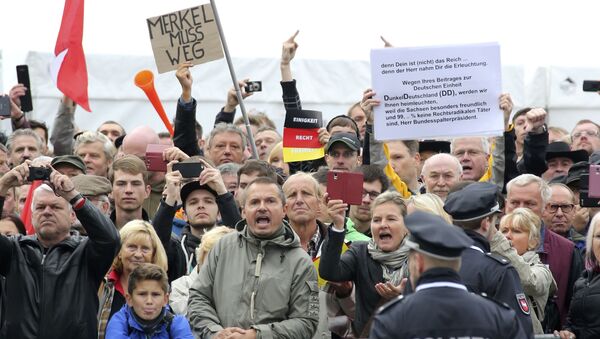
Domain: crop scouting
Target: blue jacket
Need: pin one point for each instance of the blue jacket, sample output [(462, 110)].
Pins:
[(123, 325)]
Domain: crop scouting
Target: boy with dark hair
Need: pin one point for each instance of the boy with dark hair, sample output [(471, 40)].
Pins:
[(146, 314)]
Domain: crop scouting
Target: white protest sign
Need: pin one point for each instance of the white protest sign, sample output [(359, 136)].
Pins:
[(435, 92), (187, 35)]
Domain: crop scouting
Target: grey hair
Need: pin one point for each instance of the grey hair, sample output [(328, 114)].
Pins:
[(302, 175), (89, 137), (558, 184), (21, 133), (224, 128), (43, 188), (527, 179), (459, 169), (485, 144), (230, 168)]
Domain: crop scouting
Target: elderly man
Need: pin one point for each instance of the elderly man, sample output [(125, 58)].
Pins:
[(474, 208), (96, 189), (440, 173), (558, 214), (257, 282), (70, 165), (586, 136), (97, 152), (560, 158), (530, 191), (226, 143), (473, 154), (52, 277), (23, 144)]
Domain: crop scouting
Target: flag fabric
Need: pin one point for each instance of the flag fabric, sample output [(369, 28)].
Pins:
[(26, 212), (398, 184), (68, 69), (301, 135)]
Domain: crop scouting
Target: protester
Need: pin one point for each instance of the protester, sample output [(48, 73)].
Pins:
[(374, 183), (264, 139), (427, 202), (440, 173), (473, 154), (517, 240), (73, 265), (146, 315), (406, 161), (70, 165), (586, 136), (559, 212), (140, 244), (130, 188), (582, 320), (378, 267), (111, 129), (559, 158), (276, 158), (97, 152), (266, 254), (23, 144), (249, 171), (441, 305)]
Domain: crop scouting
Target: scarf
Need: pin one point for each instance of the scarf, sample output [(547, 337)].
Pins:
[(148, 326), (393, 264)]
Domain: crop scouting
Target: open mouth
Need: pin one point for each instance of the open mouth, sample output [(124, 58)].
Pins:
[(385, 236), (467, 168), (263, 221)]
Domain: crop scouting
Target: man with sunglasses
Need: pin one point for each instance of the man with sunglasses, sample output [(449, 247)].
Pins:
[(558, 214)]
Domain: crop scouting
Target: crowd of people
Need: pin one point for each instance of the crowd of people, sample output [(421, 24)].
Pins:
[(473, 237)]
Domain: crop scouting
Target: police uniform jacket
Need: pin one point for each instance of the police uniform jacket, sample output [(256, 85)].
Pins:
[(442, 308), (483, 272)]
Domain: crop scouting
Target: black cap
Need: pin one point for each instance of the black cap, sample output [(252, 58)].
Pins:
[(474, 201), (71, 160), (559, 149), (437, 146), (192, 186), (119, 141), (349, 139), (576, 171), (432, 235)]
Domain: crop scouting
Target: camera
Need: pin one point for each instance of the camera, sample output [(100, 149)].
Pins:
[(253, 86), (39, 173)]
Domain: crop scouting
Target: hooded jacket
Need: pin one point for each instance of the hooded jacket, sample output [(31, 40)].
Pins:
[(249, 282), (124, 325)]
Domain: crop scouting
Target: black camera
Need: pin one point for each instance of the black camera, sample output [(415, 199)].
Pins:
[(253, 86), (39, 173)]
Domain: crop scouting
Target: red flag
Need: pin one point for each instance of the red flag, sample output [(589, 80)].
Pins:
[(26, 212), (68, 69)]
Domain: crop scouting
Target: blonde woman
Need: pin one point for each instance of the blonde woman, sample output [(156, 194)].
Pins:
[(180, 288), (517, 241), (276, 158), (429, 203), (139, 244)]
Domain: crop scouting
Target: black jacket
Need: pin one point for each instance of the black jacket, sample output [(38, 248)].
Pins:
[(445, 310), (53, 293), (184, 136), (483, 272), (584, 313), (354, 265)]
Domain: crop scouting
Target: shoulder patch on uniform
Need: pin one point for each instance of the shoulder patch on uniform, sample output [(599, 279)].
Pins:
[(498, 258), (498, 302), (523, 303), (390, 303)]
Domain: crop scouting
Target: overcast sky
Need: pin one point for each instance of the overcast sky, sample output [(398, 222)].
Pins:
[(531, 33)]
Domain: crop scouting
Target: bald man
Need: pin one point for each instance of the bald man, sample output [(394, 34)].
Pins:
[(441, 172)]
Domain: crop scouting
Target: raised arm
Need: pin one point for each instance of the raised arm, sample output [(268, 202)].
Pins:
[(227, 113), (211, 177), (64, 127), (498, 153), (331, 266), (185, 118)]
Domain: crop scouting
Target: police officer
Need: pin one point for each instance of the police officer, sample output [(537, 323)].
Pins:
[(475, 208), (441, 306)]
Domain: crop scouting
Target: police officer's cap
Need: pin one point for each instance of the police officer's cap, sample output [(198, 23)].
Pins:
[(473, 202), (432, 235)]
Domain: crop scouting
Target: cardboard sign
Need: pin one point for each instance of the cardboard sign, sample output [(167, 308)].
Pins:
[(301, 135), (187, 35), (434, 92)]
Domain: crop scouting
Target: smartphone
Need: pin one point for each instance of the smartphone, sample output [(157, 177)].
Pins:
[(23, 78), (189, 169), (253, 86), (5, 107), (154, 157), (591, 86), (346, 186), (584, 199), (594, 182)]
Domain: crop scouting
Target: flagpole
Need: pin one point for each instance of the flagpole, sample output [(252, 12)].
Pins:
[(238, 92)]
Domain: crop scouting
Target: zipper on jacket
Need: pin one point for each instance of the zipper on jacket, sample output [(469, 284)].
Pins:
[(259, 258)]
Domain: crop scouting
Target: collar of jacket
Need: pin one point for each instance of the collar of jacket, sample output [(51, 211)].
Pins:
[(113, 216), (191, 240), (439, 274), (284, 236), (479, 240), (72, 240), (134, 323)]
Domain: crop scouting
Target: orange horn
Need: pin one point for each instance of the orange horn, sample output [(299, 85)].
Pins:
[(145, 80)]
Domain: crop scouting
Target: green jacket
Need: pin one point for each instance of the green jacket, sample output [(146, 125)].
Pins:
[(352, 234), (266, 284)]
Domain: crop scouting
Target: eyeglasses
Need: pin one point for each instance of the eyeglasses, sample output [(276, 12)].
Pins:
[(588, 133), (566, 208), (345, 154), (371, 194)]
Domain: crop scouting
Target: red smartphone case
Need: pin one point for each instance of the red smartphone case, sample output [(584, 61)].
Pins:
[(594, 183), (347, 186), (154, 157)]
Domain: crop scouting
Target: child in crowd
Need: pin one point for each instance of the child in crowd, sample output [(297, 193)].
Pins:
[(146, 314)]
